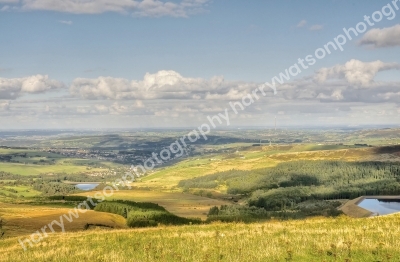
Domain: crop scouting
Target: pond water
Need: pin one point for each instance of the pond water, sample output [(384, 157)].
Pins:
[(86, 186), (381, 206)]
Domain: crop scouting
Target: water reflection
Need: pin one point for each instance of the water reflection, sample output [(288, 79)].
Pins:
[(381, 206), (86, 186)]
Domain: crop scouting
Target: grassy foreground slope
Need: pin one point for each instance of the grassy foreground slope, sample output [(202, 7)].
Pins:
[(317, 239)]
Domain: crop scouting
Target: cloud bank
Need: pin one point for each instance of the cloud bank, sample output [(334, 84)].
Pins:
[(161, 85), (348, 92)]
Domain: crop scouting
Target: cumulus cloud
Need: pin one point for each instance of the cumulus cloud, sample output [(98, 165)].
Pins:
[(349, 82), (355, 72), (147, 8), (165, 84), (385, 37), (11, 88)]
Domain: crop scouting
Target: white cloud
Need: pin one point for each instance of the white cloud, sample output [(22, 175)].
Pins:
[(316, 27), (355, 72), (301, 23), (349, 82), (385, 37), (161, 85), (65, 22), (11, 88), (148, 8)]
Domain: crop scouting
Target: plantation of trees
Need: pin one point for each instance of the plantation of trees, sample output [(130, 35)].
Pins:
[(242, 213), (289, 184)]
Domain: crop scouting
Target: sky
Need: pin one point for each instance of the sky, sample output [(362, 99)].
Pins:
[(173, 63)]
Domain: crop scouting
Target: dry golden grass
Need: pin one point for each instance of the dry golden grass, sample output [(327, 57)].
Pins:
[(180, 204), (342, 154), (317, 239), (24, 219)]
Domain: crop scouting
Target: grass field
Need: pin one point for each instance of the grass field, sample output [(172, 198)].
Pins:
[(180, 204), (23, 219), (23, 191), (30, 169), (311, 240)]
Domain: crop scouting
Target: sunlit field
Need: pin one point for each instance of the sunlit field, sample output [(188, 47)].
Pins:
[(22, 219), (318, 239)]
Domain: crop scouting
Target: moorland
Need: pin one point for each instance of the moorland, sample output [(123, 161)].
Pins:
[(285, 195)]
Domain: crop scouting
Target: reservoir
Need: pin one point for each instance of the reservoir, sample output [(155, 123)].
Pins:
[(381, 206), (86, 186)]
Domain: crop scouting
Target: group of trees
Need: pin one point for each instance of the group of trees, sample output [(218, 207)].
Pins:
[(143, 214), (289, 185), (368, 177), (230, 213), (48, 185), (54, 188)]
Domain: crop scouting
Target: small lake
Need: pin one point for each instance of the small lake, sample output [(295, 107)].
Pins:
[(381, 206), (86, 186)]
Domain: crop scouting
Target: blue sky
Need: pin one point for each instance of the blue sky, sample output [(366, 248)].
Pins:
[(246, 42)]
